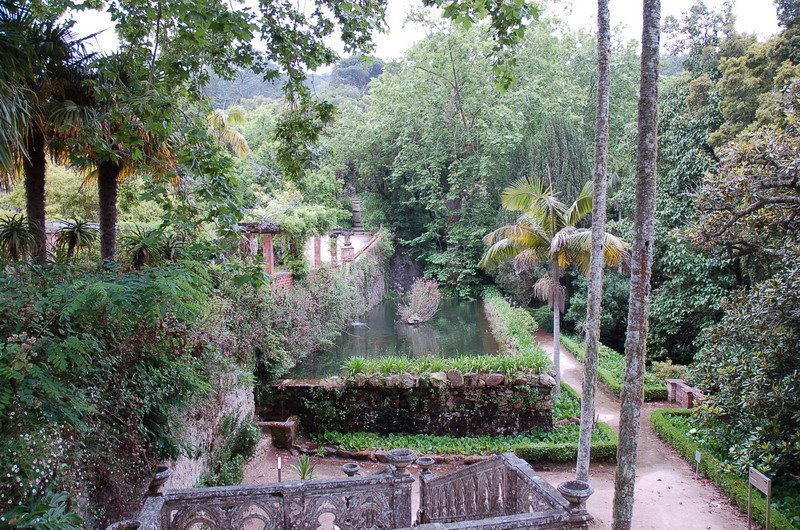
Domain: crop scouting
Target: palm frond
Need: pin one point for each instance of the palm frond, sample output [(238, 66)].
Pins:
[(523, 194), (581, 207), (528, 258), (502, 250)]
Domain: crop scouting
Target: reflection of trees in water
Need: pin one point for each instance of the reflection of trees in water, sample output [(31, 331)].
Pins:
[(421, 338)]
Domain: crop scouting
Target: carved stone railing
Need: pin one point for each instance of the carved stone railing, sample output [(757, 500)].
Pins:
[(379, 501), (503, 489)]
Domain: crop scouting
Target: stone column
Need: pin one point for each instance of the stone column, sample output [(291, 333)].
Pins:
[(252, 244), (317, 252), (334, 247), (348, 252), (269, 256)]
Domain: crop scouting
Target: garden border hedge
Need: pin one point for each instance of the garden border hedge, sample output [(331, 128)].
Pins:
[(613, 380), (735, 486)]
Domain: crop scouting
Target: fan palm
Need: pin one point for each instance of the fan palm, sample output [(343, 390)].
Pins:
[(546, 232), (75, 235), (41, 96)]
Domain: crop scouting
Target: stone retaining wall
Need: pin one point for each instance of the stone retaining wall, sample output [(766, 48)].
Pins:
[(441, 403)]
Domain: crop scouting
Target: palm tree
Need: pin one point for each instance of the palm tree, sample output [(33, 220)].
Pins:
[(76, 235), (41, 103), (221, 124), (546, 232)]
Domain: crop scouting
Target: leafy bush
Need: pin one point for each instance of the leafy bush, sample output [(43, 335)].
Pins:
[(556, 445), (611, 370), (749, 370), (666, 370), (673, 426), (544, 318), (96, 369)]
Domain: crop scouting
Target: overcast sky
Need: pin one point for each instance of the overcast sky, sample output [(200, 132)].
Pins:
[(752, 16)]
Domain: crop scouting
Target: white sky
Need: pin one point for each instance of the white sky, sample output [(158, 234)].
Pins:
[(752, 16)]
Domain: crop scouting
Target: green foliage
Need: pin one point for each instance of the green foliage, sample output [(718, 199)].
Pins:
[(513, 326), (97, 369), (305, 467), (611, 370), (672, 425), (616, 288), (749, 370), (228, 460), (556, 445), (51, 510), (667, 370), (16, 237), (543, 316), (567, 404), (536, 362)]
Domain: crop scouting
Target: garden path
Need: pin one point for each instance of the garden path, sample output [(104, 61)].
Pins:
[(668, 494)]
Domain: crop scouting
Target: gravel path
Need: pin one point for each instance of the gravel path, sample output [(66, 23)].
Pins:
[(668, 494)]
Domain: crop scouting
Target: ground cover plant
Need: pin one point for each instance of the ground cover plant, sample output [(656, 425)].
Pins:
[(559, 444), (686, 435), (535, 362), (512, 326), (611, 370)]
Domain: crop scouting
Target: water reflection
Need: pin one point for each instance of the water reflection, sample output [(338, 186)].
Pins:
[(460, 327)]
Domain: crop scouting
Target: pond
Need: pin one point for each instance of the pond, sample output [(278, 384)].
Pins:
[(459, 327)]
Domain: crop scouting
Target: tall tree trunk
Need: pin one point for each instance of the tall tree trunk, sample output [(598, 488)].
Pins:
[(641, 263), (557, 298), (107, 184), (598, 233), (34, 167)]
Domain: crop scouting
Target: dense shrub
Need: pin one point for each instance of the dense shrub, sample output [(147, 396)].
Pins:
[(611, 370), (543, 316), (96, 369), (614, 317), (749, 370), (674, 427)]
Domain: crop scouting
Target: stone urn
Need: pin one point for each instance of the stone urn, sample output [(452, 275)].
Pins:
[(162, 475), (576, 492), (425, 463), (401, 459), (351, 469)]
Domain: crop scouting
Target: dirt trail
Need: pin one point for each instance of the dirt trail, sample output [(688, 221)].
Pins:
[(668, 494)]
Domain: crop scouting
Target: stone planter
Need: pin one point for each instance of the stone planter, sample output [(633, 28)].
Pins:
[(282, 433), (162, 475), (401, 459), (576, 492)]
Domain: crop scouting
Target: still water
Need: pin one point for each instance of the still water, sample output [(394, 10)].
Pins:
[(459, 327)]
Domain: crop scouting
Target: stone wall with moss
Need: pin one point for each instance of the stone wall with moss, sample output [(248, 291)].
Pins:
[(444, 403)]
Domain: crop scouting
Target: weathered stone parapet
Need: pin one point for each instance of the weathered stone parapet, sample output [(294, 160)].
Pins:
[(679, 392), (441, 403)]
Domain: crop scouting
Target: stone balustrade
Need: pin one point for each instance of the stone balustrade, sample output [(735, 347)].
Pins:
[(494, 494)]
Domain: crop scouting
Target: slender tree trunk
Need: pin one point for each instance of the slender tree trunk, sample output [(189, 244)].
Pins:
[(598, 234), (557, 298), (34, 167), (70, 252), (641, 263), (107, 184)]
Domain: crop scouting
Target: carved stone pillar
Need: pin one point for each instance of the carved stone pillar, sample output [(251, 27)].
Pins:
[(334, 249), (317, 252), (348, 252), (269, 256)]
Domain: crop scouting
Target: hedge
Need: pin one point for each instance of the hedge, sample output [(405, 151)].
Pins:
[(603, 449), (611, 370), (734, 485)]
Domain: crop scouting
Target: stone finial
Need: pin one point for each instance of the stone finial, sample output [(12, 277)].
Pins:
[(401, 459), (161, 476), (576, 492)]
